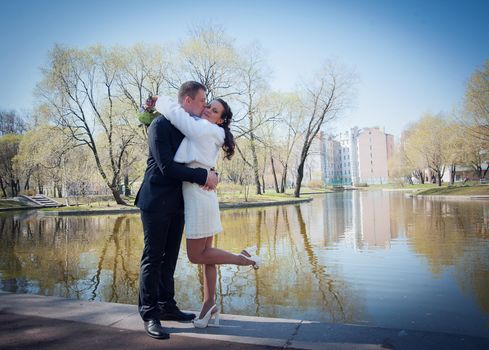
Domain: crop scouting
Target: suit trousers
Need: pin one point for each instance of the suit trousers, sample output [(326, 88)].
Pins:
[(162, 239)]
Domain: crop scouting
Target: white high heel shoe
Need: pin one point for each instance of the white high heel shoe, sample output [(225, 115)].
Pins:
[(204, 321), (253, 257)]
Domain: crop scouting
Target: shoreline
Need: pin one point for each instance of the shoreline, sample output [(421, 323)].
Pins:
[(134, 210), (252, 204)]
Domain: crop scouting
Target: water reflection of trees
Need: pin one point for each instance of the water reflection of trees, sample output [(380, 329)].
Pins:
[(98, 258), (335, 296), (292, 280), (450, 233), (82, 257)]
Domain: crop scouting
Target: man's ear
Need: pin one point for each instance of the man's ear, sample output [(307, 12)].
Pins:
[(187, 100)]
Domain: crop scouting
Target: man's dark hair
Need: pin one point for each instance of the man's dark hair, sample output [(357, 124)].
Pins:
[(189, 88)]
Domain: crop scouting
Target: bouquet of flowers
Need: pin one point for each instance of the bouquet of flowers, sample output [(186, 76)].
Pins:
[(148, 112)]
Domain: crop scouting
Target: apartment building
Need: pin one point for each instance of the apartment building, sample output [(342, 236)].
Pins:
[(374, 148), (356, 156)]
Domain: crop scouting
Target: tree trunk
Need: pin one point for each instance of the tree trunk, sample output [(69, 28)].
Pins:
[(13, 188), (300, 175), (452, 174), (419, 175), (2, 186), (478, 170), (27, 180), (127, 190), (112, 185), (283, 181), (256, 171), (117, 196), (274, 175)]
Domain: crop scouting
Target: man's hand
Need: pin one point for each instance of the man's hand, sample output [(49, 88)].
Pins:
[(212, 181)]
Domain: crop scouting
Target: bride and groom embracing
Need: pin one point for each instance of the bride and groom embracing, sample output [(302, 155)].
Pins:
[(179, 188)]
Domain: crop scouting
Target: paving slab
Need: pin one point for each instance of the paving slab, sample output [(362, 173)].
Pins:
[(65, 309), (245, 331), (384, 338), (34, 332)]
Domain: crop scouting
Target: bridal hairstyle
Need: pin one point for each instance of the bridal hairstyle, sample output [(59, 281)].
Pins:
[(226, 117), (190, 88)]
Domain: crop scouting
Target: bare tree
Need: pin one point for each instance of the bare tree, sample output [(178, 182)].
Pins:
[(209, 57), (79, 87), (257, 110), (291, 119), (12, 123), (323, 98), (141, 71)]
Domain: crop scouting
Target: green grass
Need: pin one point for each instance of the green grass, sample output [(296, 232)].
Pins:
[(469, 189), (234, 194), (95, 205), (398, 186), (457, 190), (226, 194), (229, 194), (10, 203)]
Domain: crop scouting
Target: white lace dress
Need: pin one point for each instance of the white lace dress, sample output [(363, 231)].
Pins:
[(199, 149)]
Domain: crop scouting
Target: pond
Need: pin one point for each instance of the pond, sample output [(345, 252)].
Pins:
[(377, 258)]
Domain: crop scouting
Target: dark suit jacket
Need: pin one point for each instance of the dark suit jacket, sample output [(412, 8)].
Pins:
[(161, 190)]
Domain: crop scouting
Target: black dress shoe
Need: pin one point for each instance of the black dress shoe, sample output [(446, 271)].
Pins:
[(175, 314), (154, 329)]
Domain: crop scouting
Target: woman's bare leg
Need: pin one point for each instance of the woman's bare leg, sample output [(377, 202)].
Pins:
[(210, 277), (199, 252)]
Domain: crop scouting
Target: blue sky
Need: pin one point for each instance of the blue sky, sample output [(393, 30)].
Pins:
[(410, 57)]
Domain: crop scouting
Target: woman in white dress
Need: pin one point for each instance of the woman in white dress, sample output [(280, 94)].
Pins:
[(204, 138)]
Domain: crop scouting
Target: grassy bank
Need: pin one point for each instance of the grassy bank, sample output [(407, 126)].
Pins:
[(392, 186), (226, 196), (469, 189), (11, 204), (230, 194)]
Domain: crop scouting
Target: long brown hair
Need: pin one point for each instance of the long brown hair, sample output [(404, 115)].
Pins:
[(226, 117)]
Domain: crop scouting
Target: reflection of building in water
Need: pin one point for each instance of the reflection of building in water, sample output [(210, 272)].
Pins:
[(369, 221), (353, 236), (375, 219), (360, 218), (337, 215)]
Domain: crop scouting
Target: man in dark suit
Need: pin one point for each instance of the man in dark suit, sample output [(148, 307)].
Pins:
[(161, 202)]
